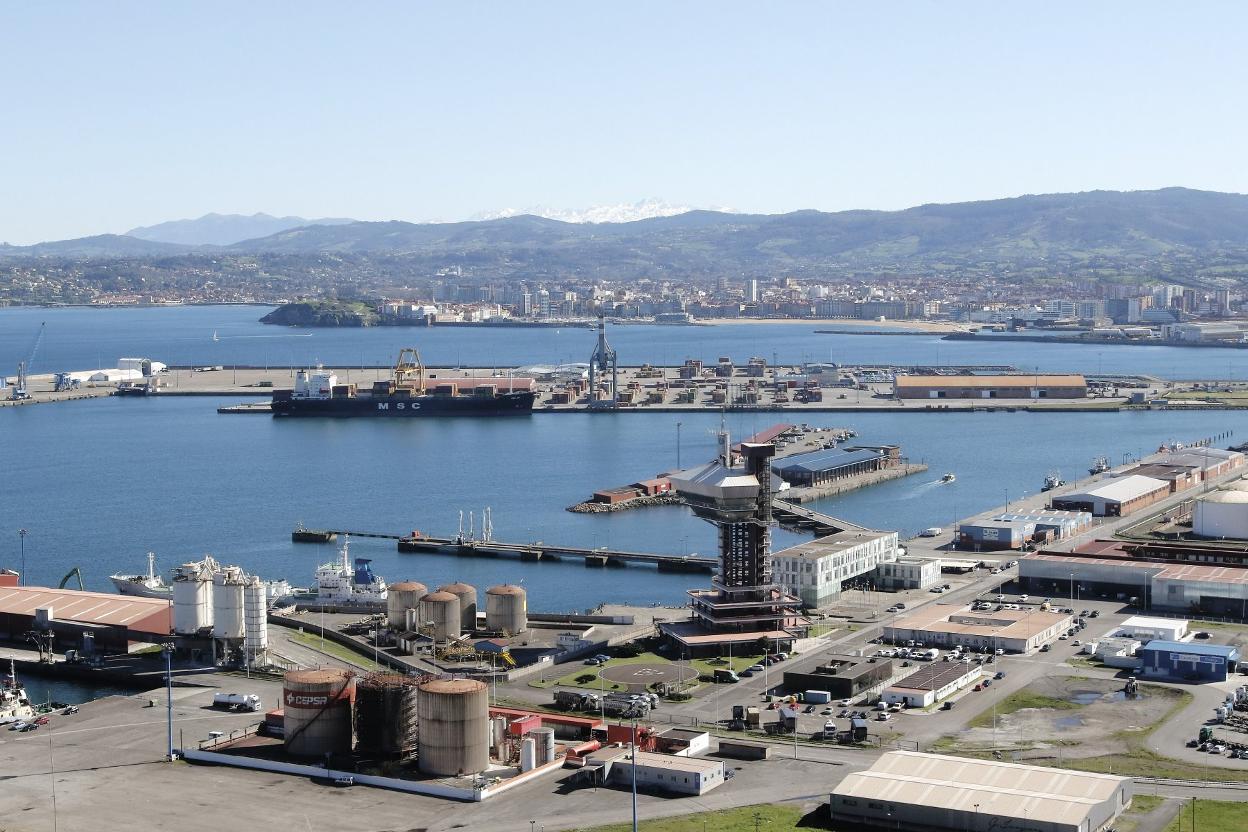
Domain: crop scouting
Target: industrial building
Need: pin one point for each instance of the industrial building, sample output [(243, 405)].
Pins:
[(990, 535), (815, 571), (1188, 661), (1051, 524), (114, 623), (1116, 498), (1211, 462), (1127, 571), (1037, 386), (1180, 477), (932, 683), (841, 676), (1143, 628), (656, 772), (827, 466), (1014, 631), (906, 790)]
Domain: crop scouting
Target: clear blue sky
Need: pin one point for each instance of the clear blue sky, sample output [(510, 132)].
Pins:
[(114, 115)]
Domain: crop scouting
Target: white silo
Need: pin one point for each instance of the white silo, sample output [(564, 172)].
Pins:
[(192, 598), (256, 617), (1221, 515), (439, 611), (506, 609), (228, 618)]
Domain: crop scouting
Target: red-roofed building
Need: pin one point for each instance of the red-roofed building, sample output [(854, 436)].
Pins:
[(116, 621)]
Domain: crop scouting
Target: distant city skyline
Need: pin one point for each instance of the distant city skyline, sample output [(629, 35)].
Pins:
[(125, 115)]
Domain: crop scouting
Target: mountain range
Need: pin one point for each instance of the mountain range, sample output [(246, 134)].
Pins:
[(222, 229), (1078, 230)]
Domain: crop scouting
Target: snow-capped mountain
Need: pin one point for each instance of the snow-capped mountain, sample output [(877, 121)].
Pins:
[(624, 212)]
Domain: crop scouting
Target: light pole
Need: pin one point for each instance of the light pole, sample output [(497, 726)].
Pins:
[(678, 424), (167, 649), (21, 579), (633, 743)]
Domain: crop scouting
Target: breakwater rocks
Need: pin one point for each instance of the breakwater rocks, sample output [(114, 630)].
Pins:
[(590, 507)]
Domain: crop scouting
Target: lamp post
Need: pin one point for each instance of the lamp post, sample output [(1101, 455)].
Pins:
[(21, 579), (633, 743), (678, 424), (167, 649)]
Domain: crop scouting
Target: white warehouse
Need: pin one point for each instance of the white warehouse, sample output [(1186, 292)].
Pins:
[(1146, 629)]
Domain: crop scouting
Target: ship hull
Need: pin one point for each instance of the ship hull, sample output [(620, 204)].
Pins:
[(504, 404), (125, 586)]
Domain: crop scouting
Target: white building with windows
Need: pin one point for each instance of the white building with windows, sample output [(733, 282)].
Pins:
[(816, 571), (907, 573)]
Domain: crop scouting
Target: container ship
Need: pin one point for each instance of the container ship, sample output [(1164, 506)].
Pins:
[(411, 392)]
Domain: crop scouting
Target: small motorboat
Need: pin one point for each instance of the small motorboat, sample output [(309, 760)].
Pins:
[(948, 478)]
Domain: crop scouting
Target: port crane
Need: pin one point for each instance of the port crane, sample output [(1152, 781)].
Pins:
[(603, 361), (409, 365), (20, 391)]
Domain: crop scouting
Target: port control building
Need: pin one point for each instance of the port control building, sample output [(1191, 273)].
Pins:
[(945, 625), (907, 790), (1035, 386)]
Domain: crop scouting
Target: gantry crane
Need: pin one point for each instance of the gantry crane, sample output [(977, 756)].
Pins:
[(20, 391)]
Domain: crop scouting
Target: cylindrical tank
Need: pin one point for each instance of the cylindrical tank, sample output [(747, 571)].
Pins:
[(506, 609), (228, 618), (467, 595), (1222, 514), (498, 734), (1240, 484), (318, 705), (440, 611), (400, 598), (256, 619), (454, 727), (528, 754), (545, 739), (192, 598), (385, 714)]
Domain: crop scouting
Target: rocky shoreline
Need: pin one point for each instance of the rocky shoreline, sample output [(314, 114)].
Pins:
[(590, 507)]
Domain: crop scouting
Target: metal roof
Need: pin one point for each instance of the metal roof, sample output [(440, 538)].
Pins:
[(824, 460), (1120, 490), (85, 607), (1032, 380), (1225, 651), (982, 786), (936, 675)]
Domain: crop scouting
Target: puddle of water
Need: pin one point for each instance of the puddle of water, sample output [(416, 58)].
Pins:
[(1087, 697), (1064, 722)]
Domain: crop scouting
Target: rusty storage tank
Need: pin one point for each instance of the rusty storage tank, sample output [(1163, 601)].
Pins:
[(467, 595), (440, 610), (318, 705), (506, 609), (385, 714), (400, 598), (454, 727)]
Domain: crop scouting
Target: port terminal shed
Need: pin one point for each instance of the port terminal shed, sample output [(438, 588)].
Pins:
[(1129, 572), (1146, 628), (932, 683), (115, 622), (991, 535), (1036, 386), (1014, 631), (1187, 661), (1115, 498), (911, 791), (828, 466), (655, 772)]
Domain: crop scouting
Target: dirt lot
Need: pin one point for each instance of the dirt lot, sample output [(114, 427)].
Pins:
[(1076, 716)]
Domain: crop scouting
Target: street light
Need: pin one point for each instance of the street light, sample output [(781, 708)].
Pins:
[(633, 743), (678, 424), (167, 649)]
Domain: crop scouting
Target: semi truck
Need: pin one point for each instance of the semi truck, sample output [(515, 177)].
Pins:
[(236, 701)]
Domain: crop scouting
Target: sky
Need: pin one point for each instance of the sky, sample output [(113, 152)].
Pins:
[(119, 114)]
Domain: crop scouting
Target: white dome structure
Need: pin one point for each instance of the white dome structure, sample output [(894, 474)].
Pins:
[(1222, 514)]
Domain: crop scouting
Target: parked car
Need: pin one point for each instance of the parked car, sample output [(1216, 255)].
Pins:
[(1044, 648), (978, 688), (987, 683), (948, 706), (757, 668), (43, 720), (1000, 674), (1201, 634), (883, 716)]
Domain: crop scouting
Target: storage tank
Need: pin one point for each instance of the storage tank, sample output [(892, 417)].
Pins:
[(228, 619), (454, 727), (256, 621), (192, 598), (1222, 514), (385, 714), (545, 739), (441, 610), (506, 609), (402, 597), (528, 754), (318, 706), (1240, 484), (467, 595)]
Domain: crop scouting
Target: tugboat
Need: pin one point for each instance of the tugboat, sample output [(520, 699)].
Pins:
[(1053, 480), (14, 703), (1099, 466), (948, 478), (150, 585)]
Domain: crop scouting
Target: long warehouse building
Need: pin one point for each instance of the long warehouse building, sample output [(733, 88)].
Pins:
[(906, 790), (1036, 386)]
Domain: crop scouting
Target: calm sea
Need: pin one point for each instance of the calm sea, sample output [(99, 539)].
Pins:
[(81, 338)]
